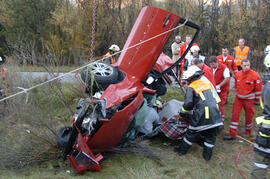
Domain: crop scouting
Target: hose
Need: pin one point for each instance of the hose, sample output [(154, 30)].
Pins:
[(239, 153)]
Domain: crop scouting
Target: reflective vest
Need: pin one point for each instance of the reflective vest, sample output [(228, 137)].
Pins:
[(109, 55), (240, 55), (200, 86)]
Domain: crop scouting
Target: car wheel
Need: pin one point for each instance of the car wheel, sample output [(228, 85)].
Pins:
[(103, 74)]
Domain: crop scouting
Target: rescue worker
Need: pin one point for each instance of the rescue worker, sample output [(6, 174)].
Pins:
[(208, 72), (183, 48), (176, 48), (222, 78), (262, 143), (108, 57), (228, 60), (248, 86), (241, 52), (266, 76), (267, 50), (205, 122), (195, 53)]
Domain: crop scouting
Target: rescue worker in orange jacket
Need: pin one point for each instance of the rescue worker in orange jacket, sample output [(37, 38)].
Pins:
[(262, 144), (241, 52), (108, 57), (205, 121), (222, 78), (248, 85)]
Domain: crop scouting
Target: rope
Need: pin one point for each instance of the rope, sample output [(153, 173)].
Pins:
[(93, 30), (68, 73)]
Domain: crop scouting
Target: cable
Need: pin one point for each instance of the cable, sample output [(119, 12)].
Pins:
[(58, 77)]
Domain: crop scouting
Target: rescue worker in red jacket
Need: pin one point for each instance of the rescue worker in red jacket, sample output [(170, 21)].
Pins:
[(183, 48), (227, 60), (108, 57), (248, 85), (208, 72), (205, 122), (241, 52), (222, 79)]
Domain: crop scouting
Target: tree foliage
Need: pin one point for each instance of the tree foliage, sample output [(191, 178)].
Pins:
[(62, 28)]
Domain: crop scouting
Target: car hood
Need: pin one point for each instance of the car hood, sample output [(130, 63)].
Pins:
[(137, 60)]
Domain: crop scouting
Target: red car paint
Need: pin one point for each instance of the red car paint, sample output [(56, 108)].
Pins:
[(135, 62)]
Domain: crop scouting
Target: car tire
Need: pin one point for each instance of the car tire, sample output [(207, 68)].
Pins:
[(103, 74)]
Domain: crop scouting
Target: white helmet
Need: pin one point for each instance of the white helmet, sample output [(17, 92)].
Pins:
[(267, 61), (194, 48), (114, 48), (267, 50), (1, 59), (190, 72)]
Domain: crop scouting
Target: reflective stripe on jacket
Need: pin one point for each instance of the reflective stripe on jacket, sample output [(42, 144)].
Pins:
[(199, 98), (229, 62), (262, 143), (240, 54), (248, 85)]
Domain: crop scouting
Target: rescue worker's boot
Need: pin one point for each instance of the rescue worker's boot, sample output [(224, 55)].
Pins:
[(182, 149), (207, 153)]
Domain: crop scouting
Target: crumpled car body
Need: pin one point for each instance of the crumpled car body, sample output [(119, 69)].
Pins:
[(98, 126)]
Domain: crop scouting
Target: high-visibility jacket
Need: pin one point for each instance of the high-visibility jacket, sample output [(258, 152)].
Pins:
[(219, 77), (262, 143), (112, 59), (229, 62), (199, 98), (240, 54), (248, 85), (208, 73)]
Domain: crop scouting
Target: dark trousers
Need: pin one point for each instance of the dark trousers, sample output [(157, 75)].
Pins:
[(206, 139)]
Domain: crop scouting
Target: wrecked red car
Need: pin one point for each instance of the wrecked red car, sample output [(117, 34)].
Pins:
[(100, 123)]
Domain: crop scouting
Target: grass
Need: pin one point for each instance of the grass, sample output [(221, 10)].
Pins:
[(168, 164)]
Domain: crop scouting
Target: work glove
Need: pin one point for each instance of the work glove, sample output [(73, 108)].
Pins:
[(218, 88)]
